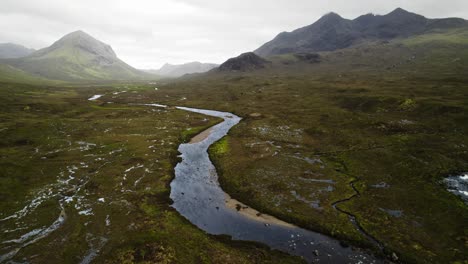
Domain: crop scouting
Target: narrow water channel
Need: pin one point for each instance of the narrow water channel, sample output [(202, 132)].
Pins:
[(198, 196)]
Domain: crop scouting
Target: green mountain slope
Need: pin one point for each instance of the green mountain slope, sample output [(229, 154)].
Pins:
[(77, 56), (9, 74)]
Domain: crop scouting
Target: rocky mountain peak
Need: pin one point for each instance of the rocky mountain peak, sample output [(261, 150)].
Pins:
[(245, 62), (84, 42)]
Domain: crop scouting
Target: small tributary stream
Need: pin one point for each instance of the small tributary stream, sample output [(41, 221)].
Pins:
[(198, 196)]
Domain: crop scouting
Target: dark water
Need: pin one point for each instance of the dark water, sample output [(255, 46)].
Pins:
[(198, 196)]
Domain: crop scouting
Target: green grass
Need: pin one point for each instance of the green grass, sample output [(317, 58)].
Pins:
[(40, 133), (405, 126), (456, 36), (381, 114), (221, 147)]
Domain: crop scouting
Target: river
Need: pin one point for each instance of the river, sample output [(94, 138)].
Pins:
[(197, 196)]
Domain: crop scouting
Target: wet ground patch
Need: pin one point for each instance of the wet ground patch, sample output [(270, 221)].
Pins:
[(396, 138), (88, 181)]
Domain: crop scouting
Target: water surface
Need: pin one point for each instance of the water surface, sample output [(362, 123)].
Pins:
[(198, 196)]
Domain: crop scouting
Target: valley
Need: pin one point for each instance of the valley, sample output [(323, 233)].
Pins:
[(345, 141), (292, 169), (103, 181)]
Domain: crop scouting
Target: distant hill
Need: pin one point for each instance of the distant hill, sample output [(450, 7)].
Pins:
[(244, 62), (332, 32), (77, 56), (11, 51), (170, 70)]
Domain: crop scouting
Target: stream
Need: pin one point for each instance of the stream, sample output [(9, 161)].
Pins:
[(197, 196)]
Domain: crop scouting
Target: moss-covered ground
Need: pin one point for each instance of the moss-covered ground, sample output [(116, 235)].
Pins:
[(389, 117), (115, 161), (395, 125)]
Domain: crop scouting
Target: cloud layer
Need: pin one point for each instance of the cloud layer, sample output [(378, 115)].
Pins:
[(148, 33)]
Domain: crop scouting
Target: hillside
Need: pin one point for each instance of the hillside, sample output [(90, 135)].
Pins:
[(332, 32), (244, 62), (9, 74), (11, 50), (174, 71), (77, 56)]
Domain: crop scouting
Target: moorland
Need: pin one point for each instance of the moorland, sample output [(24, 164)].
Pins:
[(352, 140)]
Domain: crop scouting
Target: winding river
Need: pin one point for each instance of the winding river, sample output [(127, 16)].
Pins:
[(198, 196)]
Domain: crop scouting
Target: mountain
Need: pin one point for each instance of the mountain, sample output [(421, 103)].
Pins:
[(9, 74), (170, 70), (244, 62), (77, 56), (10, 51), (332, 32)]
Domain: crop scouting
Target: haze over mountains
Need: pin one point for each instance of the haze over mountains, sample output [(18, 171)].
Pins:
[(333, 32), (11, 50), (170, 70)]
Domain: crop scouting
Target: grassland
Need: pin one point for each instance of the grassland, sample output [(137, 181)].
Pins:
[(109, 166), (395, 126), (387, 118)]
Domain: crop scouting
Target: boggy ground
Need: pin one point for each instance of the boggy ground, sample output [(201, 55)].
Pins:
[(101, 171), (390, 119), (307, 135)]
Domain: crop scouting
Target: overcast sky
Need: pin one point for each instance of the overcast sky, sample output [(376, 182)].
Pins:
[(148, 33)]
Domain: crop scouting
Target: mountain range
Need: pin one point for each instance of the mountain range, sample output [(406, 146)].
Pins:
[(77, 56), (332, 32), (80, 57), (173, 71), (11, 51)]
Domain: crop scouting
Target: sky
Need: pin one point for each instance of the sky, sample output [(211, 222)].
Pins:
[(148, 33)]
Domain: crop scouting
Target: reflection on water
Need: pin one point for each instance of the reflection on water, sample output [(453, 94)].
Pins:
[(458, 185), (198, 197)]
